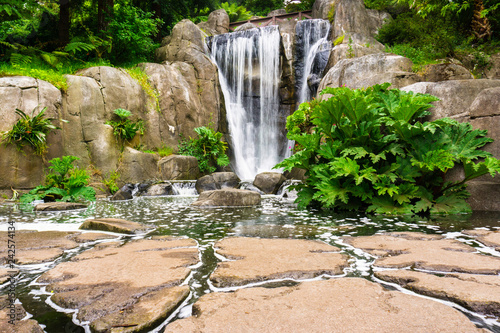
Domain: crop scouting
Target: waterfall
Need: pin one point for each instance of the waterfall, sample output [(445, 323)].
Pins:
[(311, 56), (249, 74)]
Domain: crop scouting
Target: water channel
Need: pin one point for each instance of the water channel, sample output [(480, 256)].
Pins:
[(276, 217)]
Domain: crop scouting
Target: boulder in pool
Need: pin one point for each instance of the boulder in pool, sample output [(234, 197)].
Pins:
[(58, 206), (114, 225), (217, 181), (269, 182), (228, 197)]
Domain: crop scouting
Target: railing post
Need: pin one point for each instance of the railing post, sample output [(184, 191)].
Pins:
[(300, 16)]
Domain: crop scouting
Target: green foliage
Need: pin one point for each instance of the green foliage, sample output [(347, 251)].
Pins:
[(208, 149), (125, 129), (110, 181), (30, 130), (236, 13), (370, 150), (304, 5), (65, 182), (142, 78), (263, 7), (130, 31)]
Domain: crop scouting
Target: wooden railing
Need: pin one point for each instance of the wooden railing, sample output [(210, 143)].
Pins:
[(273, 20)]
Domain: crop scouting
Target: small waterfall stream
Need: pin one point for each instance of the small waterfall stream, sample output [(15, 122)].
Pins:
[(249, 74)]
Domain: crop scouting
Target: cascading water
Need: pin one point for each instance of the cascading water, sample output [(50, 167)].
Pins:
[(249, 74), (311, 56)]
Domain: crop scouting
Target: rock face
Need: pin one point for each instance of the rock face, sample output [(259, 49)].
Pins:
[(269, 182), (429, 252), (256, 260), (130, 287), (321, 8), (179, 167), (228, 197), (217, 181), (16, 315), (27, 94), (58, 206), (217, 23), (445, 72), (369, 70), (345, 305), (493, 72), (34, 247), (114, 225)]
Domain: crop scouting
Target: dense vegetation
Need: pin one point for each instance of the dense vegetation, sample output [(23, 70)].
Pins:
[(437, 30), (371, 150)]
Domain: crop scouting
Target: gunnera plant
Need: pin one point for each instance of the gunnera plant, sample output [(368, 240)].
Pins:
[(124, 128), (371, 150)]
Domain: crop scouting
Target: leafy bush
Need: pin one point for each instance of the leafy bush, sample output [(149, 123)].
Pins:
[(31, 130), (208, 149), (371, 151), (125, 129), (110, 181), (263, 7), (236, 13), (63, 183)]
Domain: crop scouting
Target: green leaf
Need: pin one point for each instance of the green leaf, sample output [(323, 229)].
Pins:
[(450, 205)]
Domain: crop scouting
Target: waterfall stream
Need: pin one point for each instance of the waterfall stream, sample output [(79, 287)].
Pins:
[(249, 74)]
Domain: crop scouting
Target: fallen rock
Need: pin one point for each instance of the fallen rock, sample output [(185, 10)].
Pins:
[(163, 188), (58, 206), (228, 197), (124, 193), (422, 251), (487, 237), (114, 225), (337, 305), (179, 167), (480, 293), (11, 319), (269, 182), (217, 181), (131, 286), (256, 260)]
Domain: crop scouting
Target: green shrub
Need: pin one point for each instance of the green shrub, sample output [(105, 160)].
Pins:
[(63, 183), (125, 129), (30, 130), (208, 149), (236, 13), (110, 181), (370, 151)]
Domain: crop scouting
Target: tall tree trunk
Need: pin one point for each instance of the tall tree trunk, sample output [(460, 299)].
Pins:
[(104, 14), (64, 22), (157, 15), (481, 27)]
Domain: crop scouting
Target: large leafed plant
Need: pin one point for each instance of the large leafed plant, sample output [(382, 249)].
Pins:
[(371, 150)]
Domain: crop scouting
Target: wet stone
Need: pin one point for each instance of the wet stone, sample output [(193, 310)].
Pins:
[(228, 198), (15, 315), (114, 225), (488, 238), (480, 293), (429, 252), (255, 260), (124, 287), (35, 247), (336, 305), (58, 206)]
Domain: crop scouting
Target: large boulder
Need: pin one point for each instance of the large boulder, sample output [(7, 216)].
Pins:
[(25, 169), (124, 193), (369, 70), (114, 225), (217, 181), (269, 182), (137, 166), (493, 70), (444, 72), (322, 8), (228, 197), (217, 23), (179, 167)]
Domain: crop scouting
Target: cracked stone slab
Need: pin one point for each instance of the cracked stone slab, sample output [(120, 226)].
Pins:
[(488, 238), (114, 225), (256, 259), (480, 293), (336, 305), (422, 251), (124, 287), (35, 247)]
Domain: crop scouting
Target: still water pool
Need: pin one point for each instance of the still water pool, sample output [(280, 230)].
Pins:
[(276, 217)]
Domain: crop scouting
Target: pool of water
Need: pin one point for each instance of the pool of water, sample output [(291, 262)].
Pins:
[(276, 217)]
